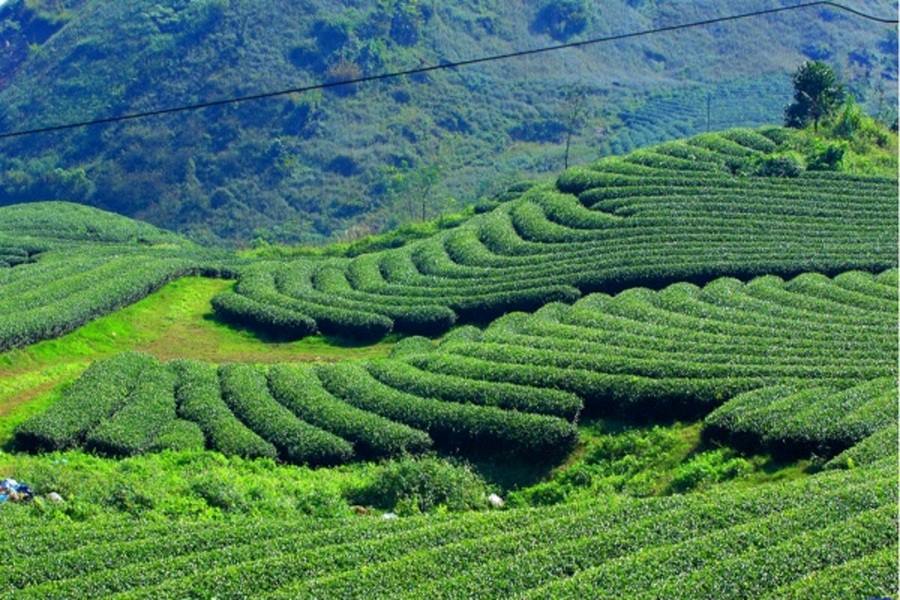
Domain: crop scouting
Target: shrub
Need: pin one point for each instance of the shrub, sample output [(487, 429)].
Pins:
[(784, 164), (465, 426), (827, 157), (245, 391), (199, 400), (708, 468), (219, 493), (413, 485), (179, 435), (561, 19), (95, 396), (149, 410), (242, 310), (343, 70), (298, 388)]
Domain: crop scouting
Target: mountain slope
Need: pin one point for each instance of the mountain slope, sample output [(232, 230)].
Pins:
[(687, 210), (303, 168)]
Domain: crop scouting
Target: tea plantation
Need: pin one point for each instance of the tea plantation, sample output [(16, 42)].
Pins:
[(682, 211), (831, 535), (72, 264), (676, 369), (806, 364)]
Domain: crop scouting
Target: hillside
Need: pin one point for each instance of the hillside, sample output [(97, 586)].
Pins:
[(320, 166), (671, 373), (682, 211), (512, 387)]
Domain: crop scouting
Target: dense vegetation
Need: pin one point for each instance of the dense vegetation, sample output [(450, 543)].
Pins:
[(822, 536), (740, 203), (77, 263), (680, 351), (605, 228), (729, 430), (349, 161)]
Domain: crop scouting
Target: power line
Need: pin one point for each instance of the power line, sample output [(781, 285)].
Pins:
[(437, 67)]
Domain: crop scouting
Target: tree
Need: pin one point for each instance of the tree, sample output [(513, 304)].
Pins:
[(575, 111), (817, 93), (414, 185), (561, 19)]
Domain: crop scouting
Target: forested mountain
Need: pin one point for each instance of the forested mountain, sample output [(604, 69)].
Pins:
[(305, 168)]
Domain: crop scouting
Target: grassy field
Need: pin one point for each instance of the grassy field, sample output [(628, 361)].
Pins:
[(174, 322)]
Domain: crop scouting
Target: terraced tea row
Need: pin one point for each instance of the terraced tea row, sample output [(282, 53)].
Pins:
[(317, 415), (815, 418), (74, 264), (795, 354), (682, 112), (782, 354), (682, 211), (834, 532)]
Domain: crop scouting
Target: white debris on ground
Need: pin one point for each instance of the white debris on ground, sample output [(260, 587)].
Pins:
[(13, 491)]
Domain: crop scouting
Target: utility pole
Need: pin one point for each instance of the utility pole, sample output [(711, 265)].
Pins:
[(708, 105)]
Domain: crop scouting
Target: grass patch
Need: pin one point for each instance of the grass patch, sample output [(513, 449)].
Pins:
[(174, 322), (615, 457)]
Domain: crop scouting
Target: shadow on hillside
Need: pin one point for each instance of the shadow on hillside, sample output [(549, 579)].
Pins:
[(273, 337)]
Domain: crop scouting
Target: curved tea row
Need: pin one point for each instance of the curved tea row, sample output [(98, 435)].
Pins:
[(783, 354), (74, 263), (681, 211)]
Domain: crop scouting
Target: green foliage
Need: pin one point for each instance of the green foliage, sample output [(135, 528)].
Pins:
[(299, 389), (784, 164), (135, 425), (797, 419), (422, 485), (781, 540), (91, 263), (89, 61), (708, 468), (245, 391), (468, 427), (561, 19), (551, 243), (200, 401), (817, 93), (103, 389)]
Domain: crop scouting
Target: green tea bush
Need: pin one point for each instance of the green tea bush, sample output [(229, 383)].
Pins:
[(422, 485), (102, 390), (299, 389), (200, 401), (786, 164), (646, 219), (245, 391), (148, 411)]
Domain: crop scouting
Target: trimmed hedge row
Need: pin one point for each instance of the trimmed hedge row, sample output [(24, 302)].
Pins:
[(787, 539), (465, 426), (149, 409), (245, 391), (103, 388), (200, 401), (407, 378), (272, 319), (299, 389), (670, 213), (820, 419)]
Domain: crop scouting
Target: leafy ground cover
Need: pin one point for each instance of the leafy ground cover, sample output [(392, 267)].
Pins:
[(786, 539)]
